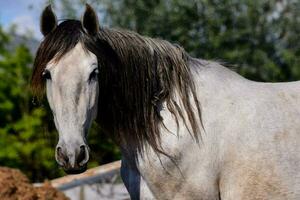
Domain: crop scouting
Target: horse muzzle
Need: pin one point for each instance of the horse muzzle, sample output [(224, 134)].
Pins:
[(72, 160)]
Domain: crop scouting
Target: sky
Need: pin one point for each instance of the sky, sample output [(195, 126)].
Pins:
[(23, 13)]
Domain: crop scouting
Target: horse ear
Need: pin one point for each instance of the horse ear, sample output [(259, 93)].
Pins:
[(90, 21), (48, 21)]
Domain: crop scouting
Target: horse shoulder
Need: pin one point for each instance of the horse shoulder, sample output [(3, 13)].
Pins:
[(193, 176)]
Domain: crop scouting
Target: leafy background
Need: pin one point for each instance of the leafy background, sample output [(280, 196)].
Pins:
[(258, 38)]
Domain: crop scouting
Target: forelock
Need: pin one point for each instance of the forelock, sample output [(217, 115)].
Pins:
[(54, 46)]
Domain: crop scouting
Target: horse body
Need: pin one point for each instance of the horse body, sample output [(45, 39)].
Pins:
[(188, 128), (249, 150)]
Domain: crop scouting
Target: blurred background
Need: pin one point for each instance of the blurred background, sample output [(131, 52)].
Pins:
[(257, 38)]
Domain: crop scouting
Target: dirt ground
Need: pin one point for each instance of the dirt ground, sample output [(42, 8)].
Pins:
[(15, 186)]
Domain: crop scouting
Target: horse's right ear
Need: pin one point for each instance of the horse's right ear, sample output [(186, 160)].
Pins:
[(48, 21)]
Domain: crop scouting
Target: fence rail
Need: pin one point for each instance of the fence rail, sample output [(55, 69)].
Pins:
[(91, 176), (101, 182)]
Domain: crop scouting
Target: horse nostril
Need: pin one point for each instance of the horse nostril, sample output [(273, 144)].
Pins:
[(83, 155), (60, 157)]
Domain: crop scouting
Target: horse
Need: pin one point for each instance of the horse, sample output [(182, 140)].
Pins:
[(187, 128)]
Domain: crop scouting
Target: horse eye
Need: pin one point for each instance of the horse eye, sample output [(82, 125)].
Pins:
[(46, 75), (94, 75)]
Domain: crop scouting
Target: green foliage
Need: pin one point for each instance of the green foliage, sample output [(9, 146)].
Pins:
[(259, 37), (253, 34), (22, 131)]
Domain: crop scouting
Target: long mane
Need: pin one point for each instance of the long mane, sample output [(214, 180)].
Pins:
[(137, 75)]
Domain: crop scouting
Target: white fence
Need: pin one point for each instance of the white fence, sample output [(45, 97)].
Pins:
[(99, 183)]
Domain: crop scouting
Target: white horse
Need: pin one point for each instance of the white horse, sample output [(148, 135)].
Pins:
[(188, 128)]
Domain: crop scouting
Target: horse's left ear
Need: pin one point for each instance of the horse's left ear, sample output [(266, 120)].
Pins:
[(90, 21)]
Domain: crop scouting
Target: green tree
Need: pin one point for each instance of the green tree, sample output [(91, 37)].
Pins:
[(259, 37), (24, 140)]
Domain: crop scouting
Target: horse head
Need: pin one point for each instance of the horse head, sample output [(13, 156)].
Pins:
[(70, 76)]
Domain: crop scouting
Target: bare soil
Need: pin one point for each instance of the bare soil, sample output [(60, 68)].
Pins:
[(15, 186)]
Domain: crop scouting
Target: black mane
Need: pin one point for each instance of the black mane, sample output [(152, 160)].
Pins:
[(137, 74)]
